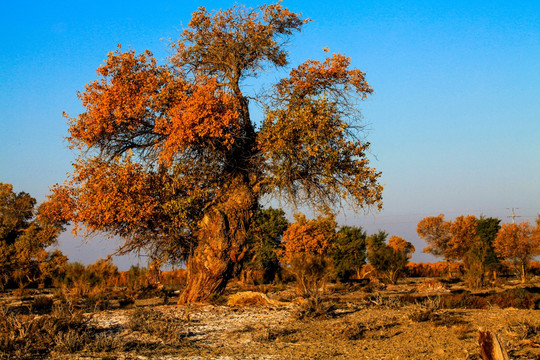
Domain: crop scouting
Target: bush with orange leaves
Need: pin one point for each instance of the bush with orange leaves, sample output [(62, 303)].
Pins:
[(436, 269), (519, 243), (306, 250)]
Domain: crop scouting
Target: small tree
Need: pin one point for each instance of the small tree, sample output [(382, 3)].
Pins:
[(350, 251), (23, 237), (263, 240), (53, 269), (481, 258), (518, 243), (466, 239), (306, 248), (436, 232), (390, 260)]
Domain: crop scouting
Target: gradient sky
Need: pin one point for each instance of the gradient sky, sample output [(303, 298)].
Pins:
[(454, 123)]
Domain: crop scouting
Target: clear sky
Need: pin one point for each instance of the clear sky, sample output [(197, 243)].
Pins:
[(454, 123)]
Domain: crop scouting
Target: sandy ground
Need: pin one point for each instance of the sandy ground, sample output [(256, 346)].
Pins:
[(353, 331)]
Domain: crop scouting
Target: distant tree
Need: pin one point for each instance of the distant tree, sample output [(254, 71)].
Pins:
[(463, 236), (264, 238), (518, 243), (466, 239), (480, 257), (103, 271), (23, 237), (350, 251), (436, 232), (306, 250), (390, 260), (53, 269), (172, 162)]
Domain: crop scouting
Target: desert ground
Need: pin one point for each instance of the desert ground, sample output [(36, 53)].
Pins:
[(416, 319)]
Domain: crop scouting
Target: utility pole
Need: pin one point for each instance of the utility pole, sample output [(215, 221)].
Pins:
[(513, 215)]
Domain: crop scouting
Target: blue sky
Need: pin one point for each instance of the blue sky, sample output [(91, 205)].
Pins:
[(454, 123)]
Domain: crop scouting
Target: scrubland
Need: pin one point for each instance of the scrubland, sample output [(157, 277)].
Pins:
[(418, 318)]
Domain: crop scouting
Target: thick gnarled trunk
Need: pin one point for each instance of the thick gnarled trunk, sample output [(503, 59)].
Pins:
[(222, 237)]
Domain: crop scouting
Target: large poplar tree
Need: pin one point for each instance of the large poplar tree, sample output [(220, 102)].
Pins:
[(172, 162)]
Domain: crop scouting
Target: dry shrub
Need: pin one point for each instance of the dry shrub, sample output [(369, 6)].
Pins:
[(462, 331), (421, 315), (432, 285), (524, 330), (520, 298), (107, 342), (85, 296), (352, 331), (154, 323), (251, 298), (465, 300), (314, 307), (30, 336), (42, 304)]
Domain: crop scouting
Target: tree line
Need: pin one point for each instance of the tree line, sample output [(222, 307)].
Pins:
[(481, 243)]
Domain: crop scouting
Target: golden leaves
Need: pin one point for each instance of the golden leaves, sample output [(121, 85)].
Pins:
[(518, 241), (446, 238), (308, 237), (318, 78), (202, 116)]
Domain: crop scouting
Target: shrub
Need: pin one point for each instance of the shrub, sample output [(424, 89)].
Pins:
[(306, 248), (349, 253), (315, 307), (30, 337), (42, 304), (390, 259)]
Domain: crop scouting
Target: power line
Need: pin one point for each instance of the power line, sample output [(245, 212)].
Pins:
[(513, 215)]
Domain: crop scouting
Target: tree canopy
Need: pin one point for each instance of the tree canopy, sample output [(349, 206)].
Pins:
[(170, 156), (23, 237), (519, 243)]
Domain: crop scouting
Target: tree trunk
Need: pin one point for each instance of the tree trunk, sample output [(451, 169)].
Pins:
[(491, 347), (222, 237), (523, 277)]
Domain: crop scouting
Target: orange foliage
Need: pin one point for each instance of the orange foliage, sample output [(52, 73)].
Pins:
[(137, 96), (463, 231), (449, 239), (518, 243), (315, 78), (436, 232), (307, 237), (400, 244), (437, 269)]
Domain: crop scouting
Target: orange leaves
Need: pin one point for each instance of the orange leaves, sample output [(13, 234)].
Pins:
[(127, 97), (139, 105), (205, 115), (317, 78), (518, 241), (436, 232), (107, 194), (400, 244), (308, 237), (449, 239)]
